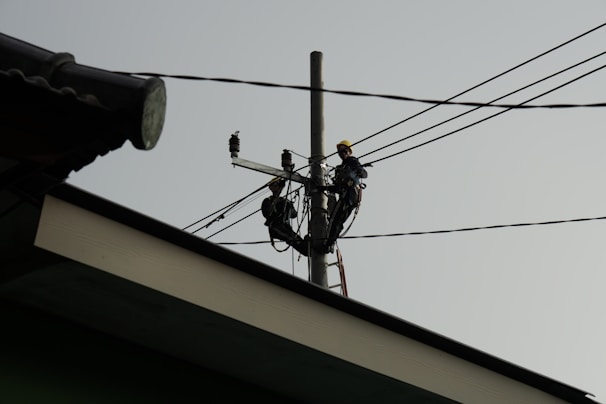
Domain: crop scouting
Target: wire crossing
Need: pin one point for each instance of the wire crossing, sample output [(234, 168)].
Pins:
[(435, 103), (490, 102), (472, 124), (226, 209), (485, 82), (486, 118)]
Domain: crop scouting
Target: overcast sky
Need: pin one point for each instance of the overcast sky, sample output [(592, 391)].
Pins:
[(531, 295)]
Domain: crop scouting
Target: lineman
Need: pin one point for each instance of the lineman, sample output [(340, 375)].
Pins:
[(348, 186), (278, 211)]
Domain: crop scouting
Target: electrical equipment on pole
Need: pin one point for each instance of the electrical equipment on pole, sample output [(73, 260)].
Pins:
[(315, 185)]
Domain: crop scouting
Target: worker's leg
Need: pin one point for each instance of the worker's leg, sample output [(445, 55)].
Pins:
[(287, 234)]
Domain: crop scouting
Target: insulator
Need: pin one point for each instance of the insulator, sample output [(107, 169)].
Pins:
[(287, 160), (234, 145)]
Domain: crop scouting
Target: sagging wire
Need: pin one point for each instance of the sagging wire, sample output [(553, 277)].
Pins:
[(486, 118), (222, 215), (434, 103), (484, 82), (475, 109), (244, 218), (444, 231), (234, 223), (235, 206)]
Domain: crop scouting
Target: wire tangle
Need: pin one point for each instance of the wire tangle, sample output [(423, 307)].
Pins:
[(435, 104), (232, 206)]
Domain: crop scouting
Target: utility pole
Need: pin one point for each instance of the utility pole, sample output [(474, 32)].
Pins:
[(319, 203)]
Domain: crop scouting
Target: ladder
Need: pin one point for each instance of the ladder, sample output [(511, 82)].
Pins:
[(341, 268)]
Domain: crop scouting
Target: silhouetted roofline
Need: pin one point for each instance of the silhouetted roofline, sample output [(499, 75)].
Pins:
[(282, 279)]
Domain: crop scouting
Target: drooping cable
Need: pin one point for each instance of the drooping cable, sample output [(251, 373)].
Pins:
[(486, 118), (444, 231), (484, 82), (245, 217), (467, 229), (434, 103), (233, 224), (224, 210), (489, 102)]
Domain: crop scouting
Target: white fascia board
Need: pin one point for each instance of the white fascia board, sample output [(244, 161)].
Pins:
[(99, 242)]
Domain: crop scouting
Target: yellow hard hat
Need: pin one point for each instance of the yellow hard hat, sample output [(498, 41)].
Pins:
[(344, 142)]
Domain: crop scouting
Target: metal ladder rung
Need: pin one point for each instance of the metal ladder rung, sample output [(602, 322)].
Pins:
[(341, 267)]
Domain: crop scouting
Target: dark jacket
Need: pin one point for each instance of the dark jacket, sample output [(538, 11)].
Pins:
[(349, 173), (277, 210), (347, 179)]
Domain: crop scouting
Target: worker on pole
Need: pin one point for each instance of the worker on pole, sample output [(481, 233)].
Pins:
[(348, 186), (278, 211)]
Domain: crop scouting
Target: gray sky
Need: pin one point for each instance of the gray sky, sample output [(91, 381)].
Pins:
[(531, 295)]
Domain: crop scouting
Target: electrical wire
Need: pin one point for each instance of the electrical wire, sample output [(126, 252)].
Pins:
[(233, 224), (458, 130), (247, 216), (479, 105), (251, 200), (494, 100), (222, 216), (231, 206), (485, 119), (433, 102), (497, 226), (484, 82), (459, 230)]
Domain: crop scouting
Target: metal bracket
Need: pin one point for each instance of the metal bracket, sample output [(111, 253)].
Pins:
[(289, 175)]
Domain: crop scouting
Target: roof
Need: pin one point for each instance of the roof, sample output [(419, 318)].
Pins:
[(134, 277), (57, 116), (72, 254)]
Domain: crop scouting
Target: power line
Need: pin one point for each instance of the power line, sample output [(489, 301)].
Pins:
[(470, 89), (233, 224), (485, 82), (464, 127), (497, 226), (486, 118), (465, 229), (435, 103), (240, 220), (233, 205), (222, 216), (475, 109)]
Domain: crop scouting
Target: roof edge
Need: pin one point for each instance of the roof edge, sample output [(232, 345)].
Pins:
[(263, 271)]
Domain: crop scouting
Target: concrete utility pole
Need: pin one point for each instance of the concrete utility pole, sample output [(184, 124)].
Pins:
[(319, 203)]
